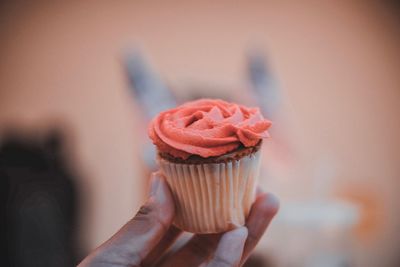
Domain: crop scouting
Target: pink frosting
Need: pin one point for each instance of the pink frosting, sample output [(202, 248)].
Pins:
[(207, 127)]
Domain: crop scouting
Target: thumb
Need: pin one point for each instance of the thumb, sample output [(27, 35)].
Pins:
[(130, 245), (230, 248)]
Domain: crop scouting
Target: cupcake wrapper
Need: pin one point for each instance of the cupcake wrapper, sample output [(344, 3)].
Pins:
[(212, 197)]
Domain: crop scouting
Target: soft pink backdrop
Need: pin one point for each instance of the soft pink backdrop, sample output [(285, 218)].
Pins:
[(338, 64)]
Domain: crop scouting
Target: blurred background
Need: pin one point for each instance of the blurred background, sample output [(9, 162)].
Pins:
[(79, 81)]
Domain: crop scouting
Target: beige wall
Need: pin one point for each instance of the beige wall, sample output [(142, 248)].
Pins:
[(338, 65)]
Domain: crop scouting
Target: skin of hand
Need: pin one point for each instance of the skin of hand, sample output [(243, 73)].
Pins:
[(146, 238)]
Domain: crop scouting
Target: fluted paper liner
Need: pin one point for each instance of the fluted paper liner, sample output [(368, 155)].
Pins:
[(212, 197)]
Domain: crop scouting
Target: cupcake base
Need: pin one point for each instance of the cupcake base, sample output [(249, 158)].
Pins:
[(212, 197)]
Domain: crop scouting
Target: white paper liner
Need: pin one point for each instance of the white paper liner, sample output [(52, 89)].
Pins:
[(212, 197)]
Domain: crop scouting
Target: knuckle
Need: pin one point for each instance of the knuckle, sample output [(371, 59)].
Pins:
[(135, 259)]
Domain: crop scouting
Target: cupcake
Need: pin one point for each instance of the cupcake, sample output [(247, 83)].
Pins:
[(209, 153)]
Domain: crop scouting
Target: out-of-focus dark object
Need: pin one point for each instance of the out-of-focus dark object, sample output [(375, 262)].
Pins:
[(151, 95), (263, 84), (38, 203)]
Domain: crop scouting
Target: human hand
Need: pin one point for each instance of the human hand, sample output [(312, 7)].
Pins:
[(146, 238)]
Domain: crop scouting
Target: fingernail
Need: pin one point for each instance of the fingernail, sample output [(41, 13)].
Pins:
[(259, 191), (241, 232), (154, 183), (273, 201), (234, 240), (160, 198)]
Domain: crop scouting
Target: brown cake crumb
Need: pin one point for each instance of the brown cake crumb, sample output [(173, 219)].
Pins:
[(236, 154)]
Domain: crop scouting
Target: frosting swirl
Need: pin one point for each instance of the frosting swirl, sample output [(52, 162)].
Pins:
[(207, 127)]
